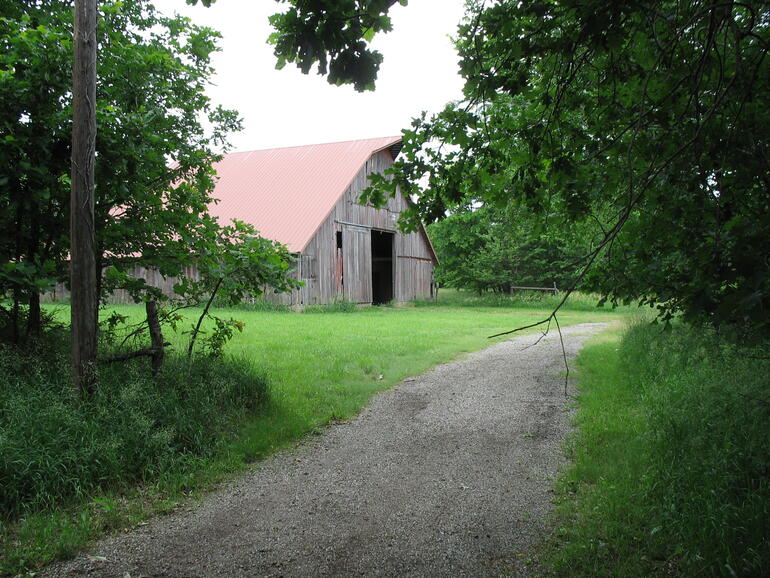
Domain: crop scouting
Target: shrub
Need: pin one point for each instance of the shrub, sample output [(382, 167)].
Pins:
[(55, 448)]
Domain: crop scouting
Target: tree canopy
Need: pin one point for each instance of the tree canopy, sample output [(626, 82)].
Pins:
[(333, 35), (649, 119)]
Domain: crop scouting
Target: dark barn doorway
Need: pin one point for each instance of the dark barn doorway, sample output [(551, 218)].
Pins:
[(382, 267)]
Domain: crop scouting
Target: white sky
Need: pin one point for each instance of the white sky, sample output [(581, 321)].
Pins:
[(286, 108)]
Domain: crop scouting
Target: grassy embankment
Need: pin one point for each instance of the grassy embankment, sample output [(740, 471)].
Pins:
[(70, 471), (672, 459)]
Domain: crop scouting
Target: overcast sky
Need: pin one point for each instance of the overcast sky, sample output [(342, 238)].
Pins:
[(286, 108)]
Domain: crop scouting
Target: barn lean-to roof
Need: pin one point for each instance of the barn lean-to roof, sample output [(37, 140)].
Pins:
[(287, 193)]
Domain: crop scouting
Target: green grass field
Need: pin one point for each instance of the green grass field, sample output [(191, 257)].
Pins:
[(324, 366)]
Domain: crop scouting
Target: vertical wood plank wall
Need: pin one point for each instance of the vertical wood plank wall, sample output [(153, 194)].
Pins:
[(151, 276), (356, 263), (412, 259)]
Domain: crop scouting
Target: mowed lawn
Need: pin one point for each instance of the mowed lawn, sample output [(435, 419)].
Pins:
[(324, 366)]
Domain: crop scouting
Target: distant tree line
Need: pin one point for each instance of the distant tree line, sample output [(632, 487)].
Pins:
[(491, 249)]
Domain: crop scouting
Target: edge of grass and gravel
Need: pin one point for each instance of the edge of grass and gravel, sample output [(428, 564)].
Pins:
[(670, 464), (72, 472)]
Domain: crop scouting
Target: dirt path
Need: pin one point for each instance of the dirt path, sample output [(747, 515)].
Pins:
[(447, 474)]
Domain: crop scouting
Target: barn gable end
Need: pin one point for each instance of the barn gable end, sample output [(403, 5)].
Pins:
[(358, 255)]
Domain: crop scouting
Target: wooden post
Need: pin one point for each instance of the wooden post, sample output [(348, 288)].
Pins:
[(82, 257), (156, 338)]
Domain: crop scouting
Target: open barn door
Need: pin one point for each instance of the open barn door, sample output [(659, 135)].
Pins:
[(357, 264), (382, 267)]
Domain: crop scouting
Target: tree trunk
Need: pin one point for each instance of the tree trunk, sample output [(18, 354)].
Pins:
[(82, 258), (34, 325), (156, 338), (98, 268), (33, 255), (17, 291), (15, 317)]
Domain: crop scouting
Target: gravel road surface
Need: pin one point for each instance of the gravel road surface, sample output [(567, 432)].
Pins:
[(447, 474)]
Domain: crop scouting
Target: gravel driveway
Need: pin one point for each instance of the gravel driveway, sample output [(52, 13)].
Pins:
[(447, 474)]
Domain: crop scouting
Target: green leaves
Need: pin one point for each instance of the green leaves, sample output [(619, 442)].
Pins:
[(492, 249), (649, 121), (154, 158), (332, 35)]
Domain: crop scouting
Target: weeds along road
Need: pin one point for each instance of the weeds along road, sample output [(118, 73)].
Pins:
[(448, 474)]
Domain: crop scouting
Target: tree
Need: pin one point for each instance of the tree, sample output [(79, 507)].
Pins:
[(153, 72), (234, 264), (153, 167), (148, 104), (34, 60), (231, 262), (649, 119)]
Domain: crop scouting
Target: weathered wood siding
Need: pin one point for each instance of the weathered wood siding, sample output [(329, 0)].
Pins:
[(412, 256), (151, 276), (356, 263)]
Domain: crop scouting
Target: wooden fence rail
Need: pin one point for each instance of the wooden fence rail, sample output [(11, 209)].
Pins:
[(553, 289)]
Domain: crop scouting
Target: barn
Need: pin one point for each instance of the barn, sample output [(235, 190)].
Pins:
[(306, 197)]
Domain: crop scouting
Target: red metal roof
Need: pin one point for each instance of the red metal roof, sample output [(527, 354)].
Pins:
[(287, 193)]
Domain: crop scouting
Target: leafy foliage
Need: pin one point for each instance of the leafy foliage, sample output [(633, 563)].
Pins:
[(154, 162), (34, 124), (233, 264), (647, 119), (333, 35), (670, 464), (151, 105)]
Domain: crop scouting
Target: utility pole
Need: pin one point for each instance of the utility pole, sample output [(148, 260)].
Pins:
[(82, 256)]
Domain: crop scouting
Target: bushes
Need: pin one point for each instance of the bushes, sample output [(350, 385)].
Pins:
[(54, 448)]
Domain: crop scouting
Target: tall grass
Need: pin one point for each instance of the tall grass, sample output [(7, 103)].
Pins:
[(708, 404), (56, 450), (672, 459)]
